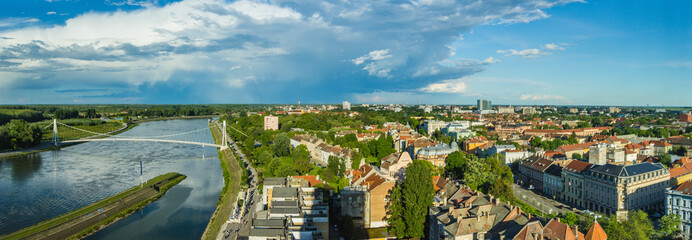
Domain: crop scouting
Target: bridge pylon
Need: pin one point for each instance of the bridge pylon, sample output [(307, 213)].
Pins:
[(225, 137), (56, 139)]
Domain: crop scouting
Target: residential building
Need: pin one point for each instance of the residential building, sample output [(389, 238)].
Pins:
[(504, 110), (579, 132), (495, 149), (394, 165), (511, 156), (320, 151), (528, 110), (602, 153), (484, 105), (294, 211), (459, 134), (437, 154), (346, 105), (517, 128), (613, 110), (472, 215), (581, 149), (271, 122), (552, 181), (468, 214), (574, 110), (531, 171), (367, 198), (617, 189), (682, 173), (679, 201), (573, 182), (474, 142), (431, 126), (686, 117)]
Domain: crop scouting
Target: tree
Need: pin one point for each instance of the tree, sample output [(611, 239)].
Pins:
[(301, 156), (19, 134), (410, 201), (573, 138), (456, 164), (282, 145), (91, 113), (336, 165), (664, 158), (576, 155), (569, 218), (639, 225), (668, 227)]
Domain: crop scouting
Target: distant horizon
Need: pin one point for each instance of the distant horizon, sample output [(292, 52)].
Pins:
[(493, 105)]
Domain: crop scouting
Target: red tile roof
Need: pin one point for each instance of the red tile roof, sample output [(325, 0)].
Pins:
[(311, 179), (596, 232)]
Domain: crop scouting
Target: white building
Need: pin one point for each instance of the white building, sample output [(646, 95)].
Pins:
[(602, 153), (511, 156), (346, 105)]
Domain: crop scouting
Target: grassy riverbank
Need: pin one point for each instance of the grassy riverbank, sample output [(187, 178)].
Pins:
[(230, 190), (91, 218)]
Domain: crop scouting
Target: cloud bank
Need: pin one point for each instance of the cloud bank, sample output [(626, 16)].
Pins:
[(251, 51)]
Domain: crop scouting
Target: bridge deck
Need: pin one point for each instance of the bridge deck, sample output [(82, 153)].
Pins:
[(143, 140)]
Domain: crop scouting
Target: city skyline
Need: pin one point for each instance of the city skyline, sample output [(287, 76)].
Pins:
[(428, 52)]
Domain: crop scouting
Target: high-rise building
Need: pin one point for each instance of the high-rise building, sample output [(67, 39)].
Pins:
[(346, 105), (484, 105), (271, 122), (686, 117)]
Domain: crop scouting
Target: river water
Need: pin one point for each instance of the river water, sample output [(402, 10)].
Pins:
[(40, 186)]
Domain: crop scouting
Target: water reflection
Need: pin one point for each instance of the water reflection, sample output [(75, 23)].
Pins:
[(37, 187), (24, 167)]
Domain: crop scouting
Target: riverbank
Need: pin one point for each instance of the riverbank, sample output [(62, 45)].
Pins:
[(231, 182), (84, 221), (47, 146)]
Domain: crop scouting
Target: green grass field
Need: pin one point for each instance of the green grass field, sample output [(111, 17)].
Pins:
[(66, 133), (229, 193)]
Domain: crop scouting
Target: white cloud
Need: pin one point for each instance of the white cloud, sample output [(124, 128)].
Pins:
[(526, 53), (553, 46), (51, 13), (311, 42), (544, 97), (373, 55), (491, 60), (446, 86)]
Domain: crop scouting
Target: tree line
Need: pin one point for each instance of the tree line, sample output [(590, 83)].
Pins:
[(19, 134)]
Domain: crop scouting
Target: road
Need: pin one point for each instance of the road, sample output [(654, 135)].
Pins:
[(539, 202), (234, 230)]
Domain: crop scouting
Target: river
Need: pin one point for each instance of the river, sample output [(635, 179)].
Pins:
[(40, 186)]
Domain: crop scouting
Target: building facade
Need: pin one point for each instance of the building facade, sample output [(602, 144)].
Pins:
[(271, 122), (573, 182), (679, 201), (484, 105), (617, 189)]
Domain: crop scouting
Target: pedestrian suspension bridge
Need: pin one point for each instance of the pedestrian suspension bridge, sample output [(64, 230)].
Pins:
[(194, 137)]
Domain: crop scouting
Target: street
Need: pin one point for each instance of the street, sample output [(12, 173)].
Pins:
[(539, 202), (234, 230)]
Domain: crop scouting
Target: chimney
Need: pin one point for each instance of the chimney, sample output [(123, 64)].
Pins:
[(558, 220), (576, 231)]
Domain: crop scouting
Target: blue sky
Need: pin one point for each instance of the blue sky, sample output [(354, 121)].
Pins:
[(427, 51)]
